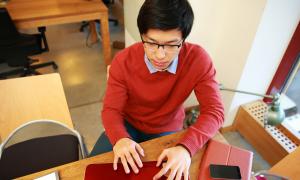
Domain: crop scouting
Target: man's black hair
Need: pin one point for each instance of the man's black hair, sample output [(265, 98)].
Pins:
[(166, 15)]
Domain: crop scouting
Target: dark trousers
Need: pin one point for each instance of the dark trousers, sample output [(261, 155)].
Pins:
[(103, 145)]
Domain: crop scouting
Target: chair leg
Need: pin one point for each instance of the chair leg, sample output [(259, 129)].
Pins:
[(115, 21), (28, 69), (29, 72), (36, 66), (83, 25), (4, 75), (42, 30), (32, 69)]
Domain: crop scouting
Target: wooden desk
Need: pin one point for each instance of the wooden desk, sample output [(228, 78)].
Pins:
[(35, 13), (152, 149), (31, 98), (288, 166)]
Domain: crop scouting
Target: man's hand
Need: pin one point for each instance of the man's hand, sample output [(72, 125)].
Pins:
[(126, 150), (178, 163)]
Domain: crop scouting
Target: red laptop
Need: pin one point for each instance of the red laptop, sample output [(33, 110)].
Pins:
[(106, 172)]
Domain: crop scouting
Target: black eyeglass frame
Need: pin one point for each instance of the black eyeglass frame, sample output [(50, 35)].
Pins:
[(163, 45)]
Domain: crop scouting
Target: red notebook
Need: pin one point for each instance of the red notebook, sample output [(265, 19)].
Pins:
[(224, 154), (106, 172)]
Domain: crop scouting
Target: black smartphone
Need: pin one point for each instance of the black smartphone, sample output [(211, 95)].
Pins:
[(218, 171)]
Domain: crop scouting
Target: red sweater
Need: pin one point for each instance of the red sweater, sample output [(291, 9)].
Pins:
[(152, 103)]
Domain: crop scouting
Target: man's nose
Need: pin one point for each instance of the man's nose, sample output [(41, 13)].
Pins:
[(160, 52)]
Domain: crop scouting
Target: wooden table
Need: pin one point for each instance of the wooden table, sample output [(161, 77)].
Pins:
[(36, 13), (31, 98), (288, 166), (152, 148)]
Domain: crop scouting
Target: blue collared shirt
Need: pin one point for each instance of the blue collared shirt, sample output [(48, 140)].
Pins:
[(171, 69)]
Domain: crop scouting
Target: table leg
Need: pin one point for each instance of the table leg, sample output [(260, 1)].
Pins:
[(105, 38)]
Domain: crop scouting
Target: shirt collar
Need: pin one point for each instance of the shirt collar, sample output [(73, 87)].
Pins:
[(171, 69)]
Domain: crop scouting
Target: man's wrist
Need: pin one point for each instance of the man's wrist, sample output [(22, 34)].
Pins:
[(121, 139), (187, 149)]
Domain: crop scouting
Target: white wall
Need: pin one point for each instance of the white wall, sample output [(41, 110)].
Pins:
[(275, 30), (131, 10), (231, 32), (227, 29)]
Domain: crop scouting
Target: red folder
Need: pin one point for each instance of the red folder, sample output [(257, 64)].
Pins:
[(106, 172), (224, 154)]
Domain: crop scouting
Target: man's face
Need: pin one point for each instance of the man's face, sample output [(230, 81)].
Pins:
[(161, 47)]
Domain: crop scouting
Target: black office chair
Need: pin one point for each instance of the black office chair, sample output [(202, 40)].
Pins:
[(107, 3), (39, 145), (16, 47)]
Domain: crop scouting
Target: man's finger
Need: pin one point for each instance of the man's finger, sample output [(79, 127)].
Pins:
[(131, 162), (116, 159), (125, 165), (163, 171), (137, 158), (140, 150), (172, 174), (168, 172), (179, 174), (186, 174), (161, 158)]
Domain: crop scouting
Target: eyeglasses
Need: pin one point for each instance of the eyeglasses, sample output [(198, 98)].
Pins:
[(171, 48)]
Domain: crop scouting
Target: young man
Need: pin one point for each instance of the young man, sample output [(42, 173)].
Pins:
[(148, 83)]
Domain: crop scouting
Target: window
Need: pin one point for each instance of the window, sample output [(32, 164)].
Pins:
[(287, 77)]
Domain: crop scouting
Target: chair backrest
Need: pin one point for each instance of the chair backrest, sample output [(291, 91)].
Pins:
[(39, 145), (108, 2), (11, 51), (8, 32)]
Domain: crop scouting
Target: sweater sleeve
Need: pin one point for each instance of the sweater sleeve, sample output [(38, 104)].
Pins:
[(211, 115), (114, 101)]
